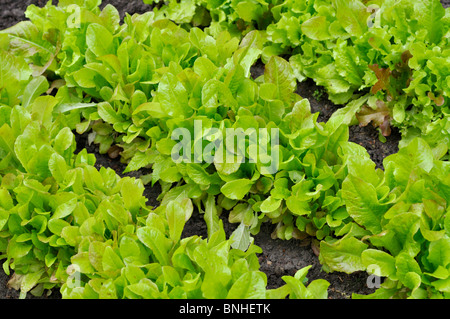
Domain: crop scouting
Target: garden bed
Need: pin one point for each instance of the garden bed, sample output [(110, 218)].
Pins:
[(279, 257)]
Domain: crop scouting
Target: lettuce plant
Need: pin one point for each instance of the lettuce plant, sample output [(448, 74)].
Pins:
[(400, 224)]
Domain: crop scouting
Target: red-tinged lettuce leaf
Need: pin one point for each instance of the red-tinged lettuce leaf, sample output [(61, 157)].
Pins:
[(439, 100), (380, 117), (383, 76)]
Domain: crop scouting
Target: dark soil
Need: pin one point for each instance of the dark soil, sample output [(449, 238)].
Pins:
[(285, 257), (131, 7), (12, 11), (367, 136), (279, 258)]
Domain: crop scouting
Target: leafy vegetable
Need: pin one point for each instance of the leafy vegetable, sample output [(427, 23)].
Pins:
[(146, 84), (402, 217)]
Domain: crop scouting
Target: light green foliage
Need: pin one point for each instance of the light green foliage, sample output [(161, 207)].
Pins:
[(397, 49), (156, 77), (133, 84), (65, 223), (59, 213), (403, 215)]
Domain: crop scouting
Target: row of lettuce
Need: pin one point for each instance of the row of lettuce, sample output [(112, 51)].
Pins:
[(395, 52), (76, 67), (66, 224)]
